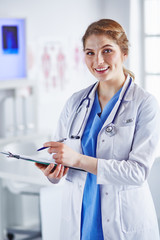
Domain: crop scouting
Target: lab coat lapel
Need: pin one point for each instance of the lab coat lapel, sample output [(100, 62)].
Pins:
[(128, 97), (113, 112)]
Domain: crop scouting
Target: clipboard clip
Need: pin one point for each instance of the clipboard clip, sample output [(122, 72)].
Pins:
[(11, 155)]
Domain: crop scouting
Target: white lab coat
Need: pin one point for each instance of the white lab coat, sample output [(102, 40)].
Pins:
[(124, 162)]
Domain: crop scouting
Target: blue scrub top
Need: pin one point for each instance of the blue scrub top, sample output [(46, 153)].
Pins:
[(91, 223)]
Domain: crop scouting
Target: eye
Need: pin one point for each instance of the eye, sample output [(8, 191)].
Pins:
[(90, 53), (107, 50)]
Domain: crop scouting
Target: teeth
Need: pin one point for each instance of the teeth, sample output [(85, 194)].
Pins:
[(101, 69)]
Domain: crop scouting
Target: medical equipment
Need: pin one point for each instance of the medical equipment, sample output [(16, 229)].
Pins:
[(78, 110), (110, 128)]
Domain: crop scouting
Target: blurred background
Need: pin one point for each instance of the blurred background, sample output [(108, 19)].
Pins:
[(41, 65)]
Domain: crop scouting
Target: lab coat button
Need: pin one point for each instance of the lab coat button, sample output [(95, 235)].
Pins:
[(107, 219), (106, 193), (103, 140)]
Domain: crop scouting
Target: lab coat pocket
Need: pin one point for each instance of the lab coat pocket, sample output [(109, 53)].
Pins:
[(136, 210), (122, 142)]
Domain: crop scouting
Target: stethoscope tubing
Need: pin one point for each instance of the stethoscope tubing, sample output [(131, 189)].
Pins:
[(86, 98), (110, 128), (77, 111)]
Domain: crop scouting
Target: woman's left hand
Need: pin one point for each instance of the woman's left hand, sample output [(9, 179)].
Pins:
[(63, 154)]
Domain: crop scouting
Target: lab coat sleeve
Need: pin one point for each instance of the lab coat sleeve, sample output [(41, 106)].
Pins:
[(135, 170)]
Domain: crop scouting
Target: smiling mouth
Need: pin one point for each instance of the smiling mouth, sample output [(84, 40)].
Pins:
[(101, 70)]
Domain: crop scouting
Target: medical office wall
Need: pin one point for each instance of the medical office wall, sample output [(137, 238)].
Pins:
[(54, 51)]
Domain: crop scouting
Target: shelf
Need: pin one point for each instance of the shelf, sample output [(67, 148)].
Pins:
[(15, 84)]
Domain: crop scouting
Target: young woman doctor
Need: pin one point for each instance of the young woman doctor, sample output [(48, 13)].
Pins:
[(111, 131)]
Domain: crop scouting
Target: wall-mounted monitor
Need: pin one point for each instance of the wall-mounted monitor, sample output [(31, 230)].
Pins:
[(12, 49)]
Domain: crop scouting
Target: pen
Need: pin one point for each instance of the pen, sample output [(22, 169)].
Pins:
[(42, 148)]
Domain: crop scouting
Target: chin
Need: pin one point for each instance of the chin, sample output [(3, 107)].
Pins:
[(104, 79)]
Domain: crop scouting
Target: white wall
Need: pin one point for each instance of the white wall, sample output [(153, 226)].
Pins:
[(119, 11), (136, 51), (52, 17)]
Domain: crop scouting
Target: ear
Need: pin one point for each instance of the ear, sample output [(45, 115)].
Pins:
[(125, 56)]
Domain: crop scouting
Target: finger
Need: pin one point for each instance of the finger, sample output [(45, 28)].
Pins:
[(56, 171), (52, 150), (57, 157), (48, 169), (60, 175), (65, 171), (53, 169), (48, 144), (40, 165), (52, 144)]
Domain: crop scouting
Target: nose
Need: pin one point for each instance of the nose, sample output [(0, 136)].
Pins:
[(99, 59)]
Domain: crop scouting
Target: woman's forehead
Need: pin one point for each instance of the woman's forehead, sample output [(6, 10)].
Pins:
[(101, 40)]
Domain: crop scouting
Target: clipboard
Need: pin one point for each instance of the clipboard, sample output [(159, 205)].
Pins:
[(35, 159)]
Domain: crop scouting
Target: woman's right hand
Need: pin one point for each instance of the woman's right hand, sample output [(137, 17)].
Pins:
[(52, 171)]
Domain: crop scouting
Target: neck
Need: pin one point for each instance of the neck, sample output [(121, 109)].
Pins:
[(107, 89)]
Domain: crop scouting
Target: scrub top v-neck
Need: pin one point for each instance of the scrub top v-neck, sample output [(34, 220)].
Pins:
[(91, 224)]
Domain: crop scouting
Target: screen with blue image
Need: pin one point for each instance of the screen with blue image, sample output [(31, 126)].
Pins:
[(10, 39), (12, 49)]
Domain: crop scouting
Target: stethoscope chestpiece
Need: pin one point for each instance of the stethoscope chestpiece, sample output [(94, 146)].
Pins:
[(110, 130)]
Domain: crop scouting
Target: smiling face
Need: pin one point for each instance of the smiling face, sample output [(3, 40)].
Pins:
[(104, 58)]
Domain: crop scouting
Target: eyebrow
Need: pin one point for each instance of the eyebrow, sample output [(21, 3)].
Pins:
[(107, 45)]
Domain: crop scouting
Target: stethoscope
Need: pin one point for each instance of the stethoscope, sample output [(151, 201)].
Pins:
[(110, 129)]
